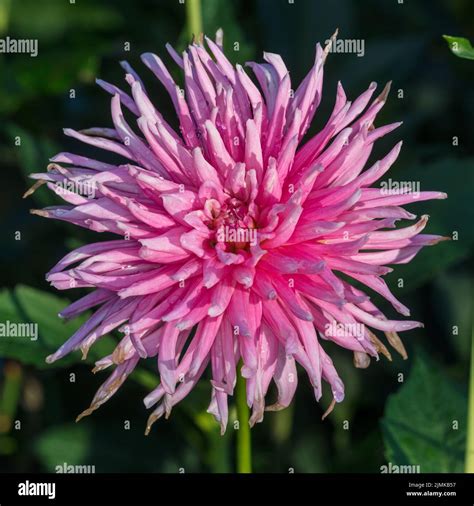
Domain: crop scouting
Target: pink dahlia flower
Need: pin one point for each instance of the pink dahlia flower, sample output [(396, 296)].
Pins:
[(234, 232)]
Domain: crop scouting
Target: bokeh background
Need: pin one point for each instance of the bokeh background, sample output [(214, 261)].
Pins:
[(403, 412)]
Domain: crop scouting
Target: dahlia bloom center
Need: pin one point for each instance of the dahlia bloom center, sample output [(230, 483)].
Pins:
[(233, 223)]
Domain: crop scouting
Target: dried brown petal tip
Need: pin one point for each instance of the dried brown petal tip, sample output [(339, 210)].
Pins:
[(40, 212), (361, 360), (151, 420), (328, 46), (383, 96), (329, 410), (85, 413), (32, 190), (395, 341), (275, 407), (379, 346), (84, 351)]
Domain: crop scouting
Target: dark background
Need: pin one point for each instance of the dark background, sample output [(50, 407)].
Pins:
[(432, 93)]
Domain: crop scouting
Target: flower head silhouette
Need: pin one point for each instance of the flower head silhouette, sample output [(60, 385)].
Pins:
[(237, 239)]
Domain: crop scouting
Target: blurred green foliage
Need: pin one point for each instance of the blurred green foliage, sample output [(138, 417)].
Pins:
[(425, 421), (25, 304)]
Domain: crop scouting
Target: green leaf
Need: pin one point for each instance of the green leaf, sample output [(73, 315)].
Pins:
[(69, 444), (419, 424), (460, 46), (95, 444), (29, 305)]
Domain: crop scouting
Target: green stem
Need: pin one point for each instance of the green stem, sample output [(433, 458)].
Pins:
[(244, 443), (470, 415), (193, 19), (11, 395), (5, 7)]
